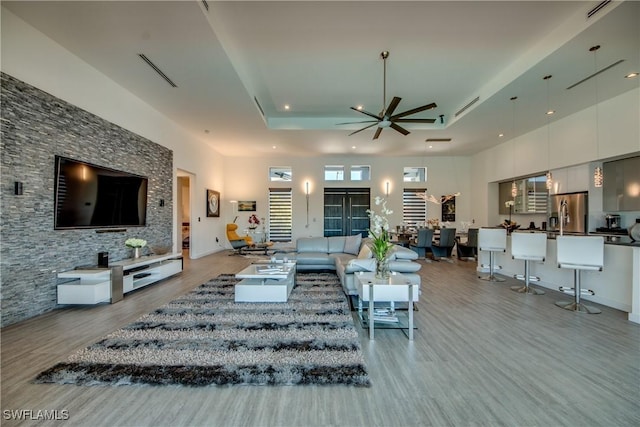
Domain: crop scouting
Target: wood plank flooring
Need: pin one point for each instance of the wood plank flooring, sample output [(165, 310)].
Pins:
[(483, 355)]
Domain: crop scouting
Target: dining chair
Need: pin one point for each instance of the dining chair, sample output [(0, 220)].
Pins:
[(422, 244), (468, 250), (444, 248)]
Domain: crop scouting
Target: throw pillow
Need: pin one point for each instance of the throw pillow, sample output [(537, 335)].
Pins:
[(352, 244), (365, 252)]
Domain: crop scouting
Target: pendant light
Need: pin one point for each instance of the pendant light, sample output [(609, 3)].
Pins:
[(598, 178), (549, 113), (514, 186)]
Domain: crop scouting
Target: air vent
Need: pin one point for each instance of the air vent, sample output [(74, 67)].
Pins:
[(466, 107), (619, 61), (205, 4), (157, 70), (438, 140), (259, 106), (598, 8)]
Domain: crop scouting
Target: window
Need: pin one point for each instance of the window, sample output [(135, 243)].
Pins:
[(414, 207), (280, 173), (360, 173), (334, 173), (280, 214), (413, 174)]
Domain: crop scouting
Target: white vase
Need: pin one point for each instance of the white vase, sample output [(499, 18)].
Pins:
[(136, 252)]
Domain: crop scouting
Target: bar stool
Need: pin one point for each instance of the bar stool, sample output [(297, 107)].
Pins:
[(492, 240), (579, 253), (528, 247)]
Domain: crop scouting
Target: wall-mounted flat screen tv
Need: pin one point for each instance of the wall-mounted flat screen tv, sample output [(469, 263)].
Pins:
[(91, 196)]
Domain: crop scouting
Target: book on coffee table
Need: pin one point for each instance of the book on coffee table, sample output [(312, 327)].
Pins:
[(268, 269)]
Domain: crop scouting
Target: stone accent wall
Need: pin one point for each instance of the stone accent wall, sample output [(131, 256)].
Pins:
[(36, 126)]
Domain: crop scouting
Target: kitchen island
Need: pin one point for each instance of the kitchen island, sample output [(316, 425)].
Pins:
[(617, 286)]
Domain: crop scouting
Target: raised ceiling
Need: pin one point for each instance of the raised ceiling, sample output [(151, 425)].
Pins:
[(322, 57)]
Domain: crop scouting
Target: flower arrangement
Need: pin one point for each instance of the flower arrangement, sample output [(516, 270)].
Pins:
[(433, 222), (508, 224), (135, 243), (379, 233), (254, 221)]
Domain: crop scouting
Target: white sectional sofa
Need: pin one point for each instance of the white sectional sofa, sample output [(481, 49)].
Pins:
[(347, 255)]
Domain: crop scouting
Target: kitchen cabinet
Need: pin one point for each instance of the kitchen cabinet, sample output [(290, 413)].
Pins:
[(532, 196), (621, 186)]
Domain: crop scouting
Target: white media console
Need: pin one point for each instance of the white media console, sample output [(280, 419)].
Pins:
[(96, 285)]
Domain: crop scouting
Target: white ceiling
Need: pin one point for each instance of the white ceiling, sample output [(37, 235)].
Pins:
[(322, 57)]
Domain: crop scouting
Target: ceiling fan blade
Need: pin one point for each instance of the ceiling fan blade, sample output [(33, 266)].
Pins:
[(353, 123), (366, 127), (377, 134), (392, 106), (367, 113), (414, 111), (399, 129), (414, 121)]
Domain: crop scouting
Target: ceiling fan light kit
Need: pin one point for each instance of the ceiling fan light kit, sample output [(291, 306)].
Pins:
[(386, 118)]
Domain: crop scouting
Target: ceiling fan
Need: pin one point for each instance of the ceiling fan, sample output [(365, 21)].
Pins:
[(386, 118)]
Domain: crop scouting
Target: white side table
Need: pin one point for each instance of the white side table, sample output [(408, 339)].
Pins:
[(396, 288)]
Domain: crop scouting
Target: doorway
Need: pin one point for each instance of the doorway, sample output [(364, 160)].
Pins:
[(345, 211), (185, 240)]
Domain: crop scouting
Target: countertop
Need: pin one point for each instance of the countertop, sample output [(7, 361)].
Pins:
[(609, 239)]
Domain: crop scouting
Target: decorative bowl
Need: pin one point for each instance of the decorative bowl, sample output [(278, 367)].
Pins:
[(159, 249)]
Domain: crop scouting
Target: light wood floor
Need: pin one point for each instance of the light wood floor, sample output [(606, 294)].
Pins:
[(483, 355)]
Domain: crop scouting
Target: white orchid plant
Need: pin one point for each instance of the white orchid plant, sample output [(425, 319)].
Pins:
[(379, 229), (135, 243)]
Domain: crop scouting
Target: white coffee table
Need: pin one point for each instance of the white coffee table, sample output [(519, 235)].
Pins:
[(396, 288), (264, 282)]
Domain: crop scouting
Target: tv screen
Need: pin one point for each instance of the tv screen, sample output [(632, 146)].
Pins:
[(91, 196)]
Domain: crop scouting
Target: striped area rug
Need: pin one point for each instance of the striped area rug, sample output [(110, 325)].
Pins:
[(205, 338)]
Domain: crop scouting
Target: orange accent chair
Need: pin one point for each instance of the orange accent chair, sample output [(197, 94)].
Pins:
[(244, 243), (237, 243)]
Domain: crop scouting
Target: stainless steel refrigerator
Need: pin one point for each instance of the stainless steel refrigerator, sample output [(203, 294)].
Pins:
[(577, 212)]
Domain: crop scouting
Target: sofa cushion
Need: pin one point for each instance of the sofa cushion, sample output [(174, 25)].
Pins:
[(312, 244), (400, 252), (356, 264), (404, 266), (335, 244), (318, 258), (352, 244), (365, 252)]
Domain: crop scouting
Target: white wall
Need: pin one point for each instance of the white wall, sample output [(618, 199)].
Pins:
[(30, 56), (248, 179)]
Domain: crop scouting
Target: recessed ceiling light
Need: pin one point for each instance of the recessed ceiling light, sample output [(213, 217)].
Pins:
[(286, 106), (550, 112), (431, 146), (360, 107), (353, 147), (500, 135), (631, 75), (274, 147)]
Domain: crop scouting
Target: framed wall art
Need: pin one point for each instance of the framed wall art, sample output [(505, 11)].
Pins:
[(213, 203), (246, 206), (448, 209)]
